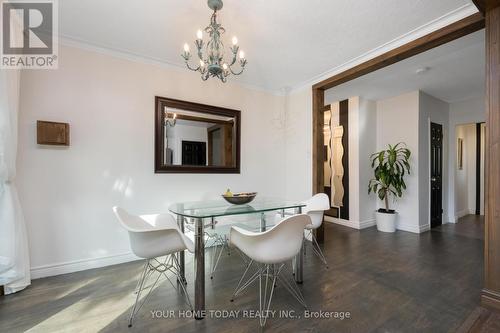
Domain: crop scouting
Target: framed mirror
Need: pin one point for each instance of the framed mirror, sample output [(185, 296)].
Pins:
[(196, 138)]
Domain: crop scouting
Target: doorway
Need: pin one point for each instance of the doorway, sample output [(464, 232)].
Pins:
[(436, 178), (469, 171), (194, 153)]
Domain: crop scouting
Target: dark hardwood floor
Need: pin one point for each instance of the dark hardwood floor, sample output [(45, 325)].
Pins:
[(471, 226), (400, 282)]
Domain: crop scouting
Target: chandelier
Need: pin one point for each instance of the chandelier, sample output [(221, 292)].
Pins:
[(212, 63)]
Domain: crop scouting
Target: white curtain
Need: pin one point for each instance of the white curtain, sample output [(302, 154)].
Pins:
[(14, 252)]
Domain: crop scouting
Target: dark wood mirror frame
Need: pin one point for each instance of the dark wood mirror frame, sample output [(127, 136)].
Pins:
[(160, 103)]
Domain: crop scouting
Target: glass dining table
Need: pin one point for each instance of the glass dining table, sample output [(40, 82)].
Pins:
[(201, 211)]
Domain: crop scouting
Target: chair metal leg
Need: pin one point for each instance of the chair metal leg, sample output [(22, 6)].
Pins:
[(265, 302), (183, 286), (216, 254), (151, 271), (268, 275), (170, 264), (237, 289), (317, 250), (292, 288), (141, 282), (138, 285)]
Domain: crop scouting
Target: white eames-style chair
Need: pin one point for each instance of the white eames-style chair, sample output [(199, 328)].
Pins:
[(270, 251), (151, 237), (315, 208)]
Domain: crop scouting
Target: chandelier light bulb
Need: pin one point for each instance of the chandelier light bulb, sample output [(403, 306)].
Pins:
[(186, 47), (199, 34), (224, 65), (242, 55), (235, 40), (202, 63)]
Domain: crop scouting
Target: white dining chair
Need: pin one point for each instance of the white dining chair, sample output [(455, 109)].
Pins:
[(270, 250), (315, 208), (151, 237)]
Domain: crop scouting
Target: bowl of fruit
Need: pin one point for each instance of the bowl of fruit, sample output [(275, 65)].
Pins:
[(239, 198)]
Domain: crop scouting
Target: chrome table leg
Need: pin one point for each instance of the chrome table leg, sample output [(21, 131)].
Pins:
[(299, 259), (199, 260), (182, 263)]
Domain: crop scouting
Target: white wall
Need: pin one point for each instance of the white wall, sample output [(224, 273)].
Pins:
[(466, 112), (436, 111), (298, 160), (362, 143), (397, 121), (67, 193)]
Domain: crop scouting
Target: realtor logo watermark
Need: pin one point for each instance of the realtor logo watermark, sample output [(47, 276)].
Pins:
[(29, 34)]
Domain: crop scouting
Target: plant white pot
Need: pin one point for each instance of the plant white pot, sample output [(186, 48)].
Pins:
[(386, 222)]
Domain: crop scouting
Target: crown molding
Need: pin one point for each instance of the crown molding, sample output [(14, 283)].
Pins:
[(139, 58), (441, 22)]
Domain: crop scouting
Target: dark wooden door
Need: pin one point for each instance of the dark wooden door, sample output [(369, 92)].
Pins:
[(194, 153), (436, 175)]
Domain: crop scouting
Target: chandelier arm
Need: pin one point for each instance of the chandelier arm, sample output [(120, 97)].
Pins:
[(234, 50), (235, 56), (237, 73), (205, 75), (194, 69)]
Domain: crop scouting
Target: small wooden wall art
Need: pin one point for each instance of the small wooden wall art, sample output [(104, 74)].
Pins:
[(52, 133)]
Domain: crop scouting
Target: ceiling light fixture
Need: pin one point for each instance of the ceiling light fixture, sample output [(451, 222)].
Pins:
[(213, 64), (422, 70)]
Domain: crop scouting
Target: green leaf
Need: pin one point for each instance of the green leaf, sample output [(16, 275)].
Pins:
[(390, 167)]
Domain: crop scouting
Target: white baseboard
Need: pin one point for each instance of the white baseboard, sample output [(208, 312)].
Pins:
[(450, 219), (424, 228), (80, 265), (369, 223), (462, 213), (416, 229), (351, 224)]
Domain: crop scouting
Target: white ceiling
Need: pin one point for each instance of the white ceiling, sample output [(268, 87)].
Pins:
[(287, 42), (456, 72)]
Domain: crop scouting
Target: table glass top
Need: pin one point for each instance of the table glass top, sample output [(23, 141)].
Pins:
[(214, 208)]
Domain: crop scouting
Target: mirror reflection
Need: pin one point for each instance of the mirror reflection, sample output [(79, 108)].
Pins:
[(198, 139)]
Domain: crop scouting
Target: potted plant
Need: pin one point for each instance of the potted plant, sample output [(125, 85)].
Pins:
[(390, 167)]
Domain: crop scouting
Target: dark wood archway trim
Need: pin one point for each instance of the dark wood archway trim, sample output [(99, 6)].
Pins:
[(485, 5), (491, 291)]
